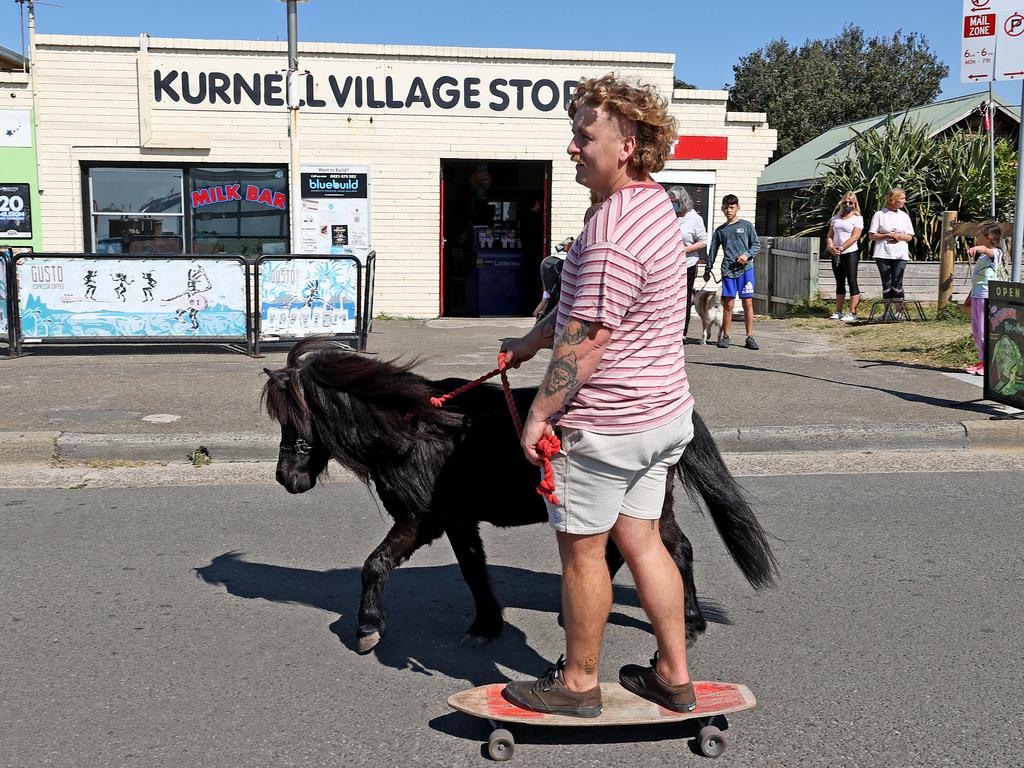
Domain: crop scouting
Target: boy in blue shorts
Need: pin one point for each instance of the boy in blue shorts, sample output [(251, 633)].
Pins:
[(740, 245)]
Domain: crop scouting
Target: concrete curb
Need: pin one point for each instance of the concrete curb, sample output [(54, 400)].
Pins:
[(22, 447), (222, 447), (825, 437)]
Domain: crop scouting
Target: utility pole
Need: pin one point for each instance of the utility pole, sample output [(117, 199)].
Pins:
[(294, 100)]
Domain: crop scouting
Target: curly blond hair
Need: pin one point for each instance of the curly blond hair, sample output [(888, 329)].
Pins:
[(639, 111)]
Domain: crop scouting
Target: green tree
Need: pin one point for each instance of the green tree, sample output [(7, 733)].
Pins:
[(810, 89), (683, 84)]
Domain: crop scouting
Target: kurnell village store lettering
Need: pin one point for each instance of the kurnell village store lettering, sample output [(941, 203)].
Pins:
[(179, 88)]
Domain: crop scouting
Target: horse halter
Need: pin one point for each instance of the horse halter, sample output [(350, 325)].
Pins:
[(299, 447)]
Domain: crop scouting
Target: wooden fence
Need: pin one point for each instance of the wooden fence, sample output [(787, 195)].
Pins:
[(786, 271), (789, 270)]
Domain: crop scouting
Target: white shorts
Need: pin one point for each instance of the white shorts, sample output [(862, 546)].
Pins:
[(600, 476)]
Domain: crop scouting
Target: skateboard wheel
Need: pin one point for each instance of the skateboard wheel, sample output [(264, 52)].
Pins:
[(501, 746), (712, 741)]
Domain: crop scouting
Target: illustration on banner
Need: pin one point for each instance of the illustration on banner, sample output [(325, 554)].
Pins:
[(137, 297), (300, 297), (1006, 335)]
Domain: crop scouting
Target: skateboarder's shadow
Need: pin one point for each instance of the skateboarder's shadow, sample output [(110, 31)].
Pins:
[(428, 608)]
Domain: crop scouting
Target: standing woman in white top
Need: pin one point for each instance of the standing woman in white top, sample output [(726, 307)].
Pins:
[(843, 233), (890, 231), (695, 239)]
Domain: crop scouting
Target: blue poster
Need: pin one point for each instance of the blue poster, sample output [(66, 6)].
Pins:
[(95, 297), (307, 297)]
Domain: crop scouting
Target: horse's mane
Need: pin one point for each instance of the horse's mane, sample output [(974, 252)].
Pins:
[(368, 413)]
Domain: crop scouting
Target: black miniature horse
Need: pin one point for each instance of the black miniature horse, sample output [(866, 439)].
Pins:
[(444, 470)]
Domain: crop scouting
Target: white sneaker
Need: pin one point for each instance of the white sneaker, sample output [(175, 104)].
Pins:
[(849, 318), (834, 316)]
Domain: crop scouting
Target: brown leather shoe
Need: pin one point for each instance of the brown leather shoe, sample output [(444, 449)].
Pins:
[(549, 695), (647, 683)]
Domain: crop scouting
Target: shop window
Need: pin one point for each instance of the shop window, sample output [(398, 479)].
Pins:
[(136, 210), (240, 210)]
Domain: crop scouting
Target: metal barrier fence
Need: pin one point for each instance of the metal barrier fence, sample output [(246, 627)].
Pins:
[(62, 298)]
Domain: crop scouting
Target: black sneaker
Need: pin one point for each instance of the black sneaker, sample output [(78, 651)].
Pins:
[(550, 695), (647, 683), (750, 343), (723, 343)]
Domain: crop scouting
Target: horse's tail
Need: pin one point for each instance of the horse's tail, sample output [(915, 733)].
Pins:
[(705, 477)]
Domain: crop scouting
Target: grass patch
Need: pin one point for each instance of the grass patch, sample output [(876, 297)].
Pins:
[(200, 457), (942, 341)]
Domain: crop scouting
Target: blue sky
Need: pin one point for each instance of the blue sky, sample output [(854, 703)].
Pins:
[(708, 38)]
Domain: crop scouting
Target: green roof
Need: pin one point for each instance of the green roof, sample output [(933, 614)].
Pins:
[(801, 166)]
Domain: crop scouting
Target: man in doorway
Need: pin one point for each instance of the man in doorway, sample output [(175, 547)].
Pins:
[(740, 245), (617, 390)]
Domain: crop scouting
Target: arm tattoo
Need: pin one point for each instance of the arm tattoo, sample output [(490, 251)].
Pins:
[(575, 332), (563, 375)]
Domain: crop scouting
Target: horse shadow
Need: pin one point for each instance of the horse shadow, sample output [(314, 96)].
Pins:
[(429, 608)]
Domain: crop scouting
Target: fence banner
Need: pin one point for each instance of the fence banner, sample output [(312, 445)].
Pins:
[(308, 297), (162, 298), (1004, 344)]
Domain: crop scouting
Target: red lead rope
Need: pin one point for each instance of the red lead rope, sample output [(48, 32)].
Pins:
[(547, 446)]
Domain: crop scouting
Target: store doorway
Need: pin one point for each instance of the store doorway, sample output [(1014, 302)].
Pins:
[(495, 230)]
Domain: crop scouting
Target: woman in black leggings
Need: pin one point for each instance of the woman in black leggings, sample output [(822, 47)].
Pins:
[(891, 230), (843, 233)]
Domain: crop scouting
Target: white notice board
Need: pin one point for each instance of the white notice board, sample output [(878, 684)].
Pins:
[(978, 43), (1010, 43)]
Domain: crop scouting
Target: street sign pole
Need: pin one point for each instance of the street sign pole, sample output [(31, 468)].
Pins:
[(1018, 213)]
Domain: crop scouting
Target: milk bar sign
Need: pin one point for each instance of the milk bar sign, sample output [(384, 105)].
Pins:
[(364, 87)]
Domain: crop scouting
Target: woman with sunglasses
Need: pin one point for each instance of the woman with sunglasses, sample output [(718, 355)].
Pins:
[(844, 231)]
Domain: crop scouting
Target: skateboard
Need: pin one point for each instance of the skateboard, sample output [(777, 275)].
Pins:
[(621, 707)]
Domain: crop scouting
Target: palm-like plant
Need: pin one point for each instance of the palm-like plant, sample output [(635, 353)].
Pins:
[(938, 175)]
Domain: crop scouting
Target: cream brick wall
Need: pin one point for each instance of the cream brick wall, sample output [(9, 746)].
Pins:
[(88, 110)]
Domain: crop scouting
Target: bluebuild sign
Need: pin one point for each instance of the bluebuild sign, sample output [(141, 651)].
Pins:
[(335, 216)]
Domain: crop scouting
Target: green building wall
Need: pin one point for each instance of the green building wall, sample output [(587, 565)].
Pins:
[(18, 166)]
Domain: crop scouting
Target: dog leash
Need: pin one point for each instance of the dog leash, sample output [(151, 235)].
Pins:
[(547, 446)]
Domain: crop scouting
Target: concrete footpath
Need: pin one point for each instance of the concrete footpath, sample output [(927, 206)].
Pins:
[(798, 393)]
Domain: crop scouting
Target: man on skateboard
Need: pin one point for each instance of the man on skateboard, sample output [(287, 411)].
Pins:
[(617, 389)]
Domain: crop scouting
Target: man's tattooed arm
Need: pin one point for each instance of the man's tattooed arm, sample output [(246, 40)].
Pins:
[(578, 351)]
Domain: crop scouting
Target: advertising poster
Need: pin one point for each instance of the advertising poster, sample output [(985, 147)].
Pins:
[(1004, 344), (335, 216), (71, 298), (15, 211), (307, 297), (3, 295)]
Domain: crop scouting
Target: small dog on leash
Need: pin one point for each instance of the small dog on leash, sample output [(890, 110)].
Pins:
[(709, 309)]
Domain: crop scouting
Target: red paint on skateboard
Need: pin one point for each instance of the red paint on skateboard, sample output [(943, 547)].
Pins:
[(498, 706)]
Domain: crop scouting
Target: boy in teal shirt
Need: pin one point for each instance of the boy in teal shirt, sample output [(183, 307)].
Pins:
[(740, 245)]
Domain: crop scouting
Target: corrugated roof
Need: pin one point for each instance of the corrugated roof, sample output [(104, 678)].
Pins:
[(802, 164)]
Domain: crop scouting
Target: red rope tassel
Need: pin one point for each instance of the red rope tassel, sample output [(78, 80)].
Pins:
[(547, 446)]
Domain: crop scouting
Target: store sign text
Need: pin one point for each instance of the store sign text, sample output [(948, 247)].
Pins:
[(225, 193), (349, 92)]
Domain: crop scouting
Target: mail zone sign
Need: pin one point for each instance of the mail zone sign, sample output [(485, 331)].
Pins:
[(982, 25)]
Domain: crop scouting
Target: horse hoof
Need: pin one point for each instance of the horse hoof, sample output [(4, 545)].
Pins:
[(368, 642), (475, 641)]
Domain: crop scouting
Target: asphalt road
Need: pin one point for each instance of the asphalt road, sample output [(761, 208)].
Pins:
[(214, 626)]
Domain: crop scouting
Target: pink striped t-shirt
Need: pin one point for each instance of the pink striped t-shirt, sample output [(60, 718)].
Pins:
[(627, 271)]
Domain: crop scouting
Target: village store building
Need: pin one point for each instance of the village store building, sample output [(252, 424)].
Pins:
[(149, 145)]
